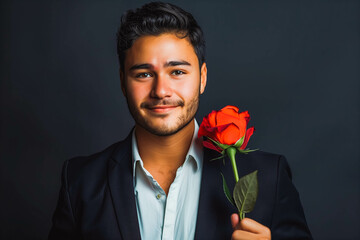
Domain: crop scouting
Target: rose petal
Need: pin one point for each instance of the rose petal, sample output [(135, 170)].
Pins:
[(239, 122), (211, 117), (245, 115), (227, 115), (209, 144), (213, 132), (202, 129), (229, 134), (230, 110), (248, 134), (225, 118)]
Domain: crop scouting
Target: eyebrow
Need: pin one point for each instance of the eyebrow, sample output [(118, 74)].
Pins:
[(140, 66), (176, 63), (167, 64)]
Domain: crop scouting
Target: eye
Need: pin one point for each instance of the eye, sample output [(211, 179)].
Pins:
[(143, 75), (177, 72)]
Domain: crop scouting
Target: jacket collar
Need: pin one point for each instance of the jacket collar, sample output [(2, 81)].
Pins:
[(212, 211), (122, 191)]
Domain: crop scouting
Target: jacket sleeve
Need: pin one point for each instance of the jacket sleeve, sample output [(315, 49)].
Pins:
[(63, 221), (288, 218)]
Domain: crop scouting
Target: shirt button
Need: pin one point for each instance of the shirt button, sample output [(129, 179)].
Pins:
[(158, 196)]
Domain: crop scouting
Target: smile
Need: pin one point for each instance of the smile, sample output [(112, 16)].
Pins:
[(161, 109)]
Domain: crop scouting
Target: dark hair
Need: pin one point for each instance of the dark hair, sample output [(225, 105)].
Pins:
[(154, 19)]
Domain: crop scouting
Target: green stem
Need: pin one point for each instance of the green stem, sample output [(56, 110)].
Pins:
[(241, 215), (231, 151)]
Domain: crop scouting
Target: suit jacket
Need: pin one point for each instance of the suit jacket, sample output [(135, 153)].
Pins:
[(97, 200)]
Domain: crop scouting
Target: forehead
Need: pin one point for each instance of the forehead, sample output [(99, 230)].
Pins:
[(157, 50)]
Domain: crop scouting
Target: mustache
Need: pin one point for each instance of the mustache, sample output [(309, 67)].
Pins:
[(164, 102)]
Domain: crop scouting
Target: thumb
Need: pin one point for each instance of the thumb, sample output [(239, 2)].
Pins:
[(235, 221)]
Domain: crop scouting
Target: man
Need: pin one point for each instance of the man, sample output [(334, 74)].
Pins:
[(158, 183)]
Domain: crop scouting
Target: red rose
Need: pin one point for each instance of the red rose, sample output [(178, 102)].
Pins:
[(225, 132), (226, 126)]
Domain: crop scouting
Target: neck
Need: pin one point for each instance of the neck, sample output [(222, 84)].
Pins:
[(167, 152)]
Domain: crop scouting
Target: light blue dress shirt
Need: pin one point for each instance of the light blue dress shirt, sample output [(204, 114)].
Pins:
[(172, 216)]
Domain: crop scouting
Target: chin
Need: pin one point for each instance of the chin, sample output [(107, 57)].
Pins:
[(165, 130)]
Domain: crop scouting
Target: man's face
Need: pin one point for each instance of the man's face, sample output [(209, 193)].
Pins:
[(161, 81)]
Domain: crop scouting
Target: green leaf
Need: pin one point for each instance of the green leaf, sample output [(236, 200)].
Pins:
[(245, 192), (246, 151), (221, 157), (227, 191), (220, 145), (239, 142)]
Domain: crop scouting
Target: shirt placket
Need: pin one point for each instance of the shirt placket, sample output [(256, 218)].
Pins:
[(171, 206)]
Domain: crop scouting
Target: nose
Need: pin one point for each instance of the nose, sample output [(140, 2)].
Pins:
[(161, 87)]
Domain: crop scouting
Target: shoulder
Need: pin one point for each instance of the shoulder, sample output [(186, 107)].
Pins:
[(87, 170), (81, 165)]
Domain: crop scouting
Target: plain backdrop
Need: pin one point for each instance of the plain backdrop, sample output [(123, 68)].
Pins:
[(294, 65)]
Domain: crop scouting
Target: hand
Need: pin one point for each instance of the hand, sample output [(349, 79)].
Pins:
[(248, 229)]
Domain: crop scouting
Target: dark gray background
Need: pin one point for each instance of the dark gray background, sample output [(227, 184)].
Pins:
[(293, 64)]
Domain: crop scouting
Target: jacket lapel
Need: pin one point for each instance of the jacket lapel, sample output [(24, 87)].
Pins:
[(122, 192), (214, 211)]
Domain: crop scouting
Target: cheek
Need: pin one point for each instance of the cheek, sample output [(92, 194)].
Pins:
[(136, 93), (188, 89)]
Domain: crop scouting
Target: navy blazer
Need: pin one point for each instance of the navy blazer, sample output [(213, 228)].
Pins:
[(97, 198)]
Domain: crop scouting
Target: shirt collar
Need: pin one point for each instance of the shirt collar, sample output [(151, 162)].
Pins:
[(195, 151)]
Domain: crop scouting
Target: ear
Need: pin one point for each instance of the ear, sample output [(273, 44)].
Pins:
[(203, 78), (122, 81)]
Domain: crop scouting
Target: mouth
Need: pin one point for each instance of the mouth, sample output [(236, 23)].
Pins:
[(161, 108)]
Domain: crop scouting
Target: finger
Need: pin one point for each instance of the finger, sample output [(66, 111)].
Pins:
[(250, 225), (243, 235), (235, 220)]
